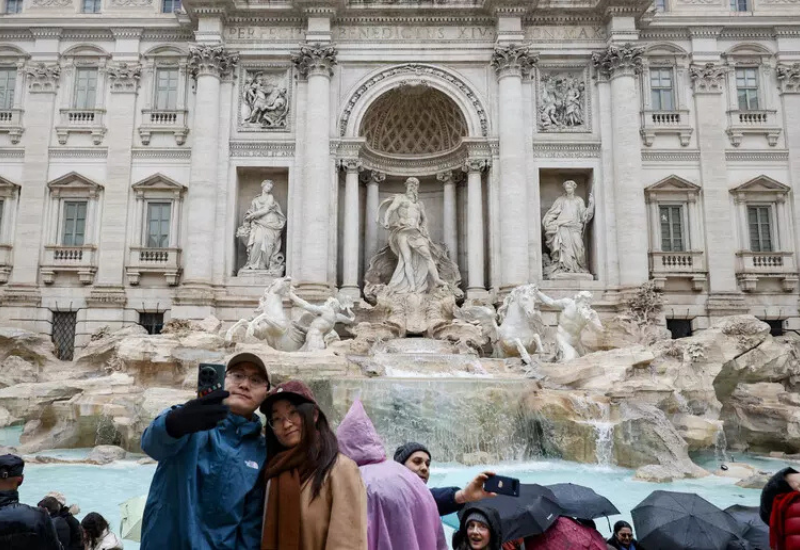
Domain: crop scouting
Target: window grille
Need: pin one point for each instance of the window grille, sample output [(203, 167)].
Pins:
[(679, 328), (64, 333), (152, 322)]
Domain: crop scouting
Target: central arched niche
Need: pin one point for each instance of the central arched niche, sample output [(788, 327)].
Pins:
[(413, 121)]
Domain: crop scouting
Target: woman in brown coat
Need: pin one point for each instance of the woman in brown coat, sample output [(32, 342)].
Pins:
[(316, 498)]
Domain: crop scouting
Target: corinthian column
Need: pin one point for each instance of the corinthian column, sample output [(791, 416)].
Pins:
[(315, 63), (621, 65), (789, 82), (449, 213), (371, 223), (351, 223), (207, 64), (475, 284), (509, 63)]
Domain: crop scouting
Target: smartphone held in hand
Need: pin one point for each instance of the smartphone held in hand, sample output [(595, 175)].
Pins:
[(210, 378), (502, 485)]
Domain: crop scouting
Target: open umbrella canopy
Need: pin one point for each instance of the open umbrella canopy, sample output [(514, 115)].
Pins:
[(751, 528), (532, 513), (582, 502), (567, 534), (132, 512), (668, 520)]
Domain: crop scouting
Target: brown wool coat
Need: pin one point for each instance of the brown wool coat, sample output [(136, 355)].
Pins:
[(337, 518)]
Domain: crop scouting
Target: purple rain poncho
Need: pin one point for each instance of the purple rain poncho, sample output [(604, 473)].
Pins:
[(401, 512)]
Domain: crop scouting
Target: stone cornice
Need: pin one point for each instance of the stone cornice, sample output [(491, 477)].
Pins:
[(42, 77), (132, 32), (46, 32), (87, 34), (788, 77), (77, 152), (705, 32), (320, 11), (757, 156), (415, 20), (159, 35), (12, 152), (617, 61), (212, 61), (315, 59), (513, 60), (708, 78), (124, 77), (670, 155), (262, 149), (161, 154), (786, 31)]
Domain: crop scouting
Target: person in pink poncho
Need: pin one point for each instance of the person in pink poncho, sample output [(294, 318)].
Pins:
[(401, 512)]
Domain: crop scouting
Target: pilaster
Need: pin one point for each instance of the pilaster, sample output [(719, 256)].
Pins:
[(789, 84)]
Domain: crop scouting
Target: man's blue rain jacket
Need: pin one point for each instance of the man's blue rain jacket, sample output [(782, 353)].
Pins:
[(205, 494)]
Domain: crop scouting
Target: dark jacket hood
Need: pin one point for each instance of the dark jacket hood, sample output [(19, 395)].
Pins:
[(777, 485), (495, 527)]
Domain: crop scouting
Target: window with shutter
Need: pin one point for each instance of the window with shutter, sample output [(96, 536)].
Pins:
[(759, 219), (8, 81), (166, 89), (74, 227), (85, 88)]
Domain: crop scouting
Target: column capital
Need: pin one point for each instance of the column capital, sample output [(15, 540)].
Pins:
[(376, 177), (788, 77), (708, 78), (446, 176), (43, 77), (350, 165), (315, 60), (212, 61), (614, 61), (476, 165), (124, 77), (513, 60)]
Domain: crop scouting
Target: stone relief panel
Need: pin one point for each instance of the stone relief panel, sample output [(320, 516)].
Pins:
[(563, 100), (264, 101)]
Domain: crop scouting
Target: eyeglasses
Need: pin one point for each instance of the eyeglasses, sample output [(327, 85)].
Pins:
[(238, 378), (625, 535), (278, 422)]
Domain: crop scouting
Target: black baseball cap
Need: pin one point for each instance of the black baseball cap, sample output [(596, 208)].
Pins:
[(11, 466)]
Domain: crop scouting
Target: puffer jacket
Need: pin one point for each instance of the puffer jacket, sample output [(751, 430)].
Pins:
[(460, 541), (23, 527), (776, 485), (205, 494), (784, 527)]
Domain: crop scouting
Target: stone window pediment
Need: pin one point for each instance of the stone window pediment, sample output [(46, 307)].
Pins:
[(8, 189), (159, 185), (74, 185), (762, 188), (673, 188)]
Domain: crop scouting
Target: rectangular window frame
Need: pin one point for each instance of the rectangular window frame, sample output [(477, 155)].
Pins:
[(13, 7), (8, 84), (85, 100), (159, 239), (69, 236), (170, 100), (170, 6), (661, 6), (91, 6), (761, 241), (747, 89), (682, 224), (659, 91), (740, 5)]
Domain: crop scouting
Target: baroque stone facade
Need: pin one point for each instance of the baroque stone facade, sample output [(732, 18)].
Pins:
[(133, 150)]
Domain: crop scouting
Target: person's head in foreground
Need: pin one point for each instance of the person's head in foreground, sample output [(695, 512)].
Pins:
[(479, 529), (11, 467), (95, 529), (51, 506), (247, 382), (416, 457), (623, 535)]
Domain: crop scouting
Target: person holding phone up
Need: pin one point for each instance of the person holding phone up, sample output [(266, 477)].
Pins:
[(417, 458), (205, 493)]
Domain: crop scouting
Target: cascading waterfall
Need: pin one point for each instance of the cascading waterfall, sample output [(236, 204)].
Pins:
[(721, 444), (604, 443)]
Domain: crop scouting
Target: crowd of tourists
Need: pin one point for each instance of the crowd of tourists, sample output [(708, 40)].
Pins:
[(225, 482)]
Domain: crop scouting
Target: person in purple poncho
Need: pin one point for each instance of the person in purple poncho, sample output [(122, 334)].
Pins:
[(401, 513)]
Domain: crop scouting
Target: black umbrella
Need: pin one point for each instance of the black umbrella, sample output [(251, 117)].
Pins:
[(532, 513), (666, 520), (582, 502), (751, 527)]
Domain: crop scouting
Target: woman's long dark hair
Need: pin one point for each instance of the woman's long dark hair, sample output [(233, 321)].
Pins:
[(94, 525), (318, 442)]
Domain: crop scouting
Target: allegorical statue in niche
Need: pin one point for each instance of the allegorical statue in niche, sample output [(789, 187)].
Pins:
[(564, 226), (407, 223), (576, 314), (266, 102), (261, 232)]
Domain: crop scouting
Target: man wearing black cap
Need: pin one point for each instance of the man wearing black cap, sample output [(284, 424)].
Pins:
[(210, 451), (22, 527), (417, 458)]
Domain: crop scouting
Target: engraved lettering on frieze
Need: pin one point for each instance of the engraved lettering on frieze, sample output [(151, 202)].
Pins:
[(562, 102), (788, 77), (42, 77), (566, 33), (211, 60), (264, 100), (124, 77), (618, 61), (263, 34), (707, 78)]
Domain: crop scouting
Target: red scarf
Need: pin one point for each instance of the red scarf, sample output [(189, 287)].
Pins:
[(286, 474), (777, 525)]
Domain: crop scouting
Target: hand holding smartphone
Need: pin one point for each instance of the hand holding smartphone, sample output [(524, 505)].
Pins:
[(502, 485), (210, 378)]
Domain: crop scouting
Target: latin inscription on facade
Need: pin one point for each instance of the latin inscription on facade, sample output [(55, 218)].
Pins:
[(411, 34)]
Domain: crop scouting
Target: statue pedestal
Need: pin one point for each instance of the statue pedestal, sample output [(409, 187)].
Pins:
[(571, 277)]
